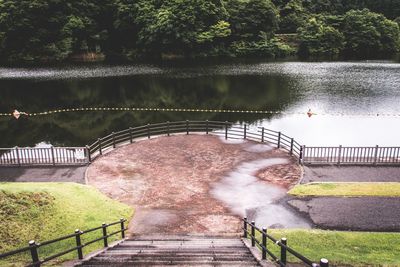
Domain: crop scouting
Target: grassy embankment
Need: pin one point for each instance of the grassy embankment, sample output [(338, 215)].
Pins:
[(342, 248), (374, 189), (44, 211)]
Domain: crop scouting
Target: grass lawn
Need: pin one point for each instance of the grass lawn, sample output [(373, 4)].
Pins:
[(44, 211), (341, 248), (347, 189)]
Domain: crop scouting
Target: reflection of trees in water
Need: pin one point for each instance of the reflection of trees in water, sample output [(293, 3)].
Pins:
[(79, 128)]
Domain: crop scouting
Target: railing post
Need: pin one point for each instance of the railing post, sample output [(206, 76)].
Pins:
[(148, 131), (245, 227), (301, 155), (262, 134), (18, 159), (206, 126), (226, 130), (34, 253), (130, 135), (283, 250), (279, 139), (187, 127), (88, 154), (376, 154), (264, 243), (52, 156), (291, 146), (78, 243), (113, 139), (122, 228), (245, 132), (100, 148), (339, 154), (253, 241), (104, 225), (167, 128), (324, 263)]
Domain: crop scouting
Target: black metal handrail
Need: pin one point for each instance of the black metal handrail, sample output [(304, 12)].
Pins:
[(33, 246), (227, 129), (282, 243)]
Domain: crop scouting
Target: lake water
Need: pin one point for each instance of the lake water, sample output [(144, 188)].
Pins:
[(356, 103)]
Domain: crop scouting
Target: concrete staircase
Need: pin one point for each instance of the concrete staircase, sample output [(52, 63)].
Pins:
[(175, 250)]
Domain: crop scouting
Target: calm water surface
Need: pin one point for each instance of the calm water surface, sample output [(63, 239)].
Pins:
[(346, 97)]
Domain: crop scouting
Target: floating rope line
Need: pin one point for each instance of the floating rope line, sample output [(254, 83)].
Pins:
[(191, 110)]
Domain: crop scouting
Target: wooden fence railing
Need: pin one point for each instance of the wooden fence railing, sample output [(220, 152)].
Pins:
[(225, 129), (27, 156), (351, 155), (33, 247), (265, 240), (304, 154)]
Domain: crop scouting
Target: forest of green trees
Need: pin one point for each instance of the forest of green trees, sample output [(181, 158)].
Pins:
[(56, 30)]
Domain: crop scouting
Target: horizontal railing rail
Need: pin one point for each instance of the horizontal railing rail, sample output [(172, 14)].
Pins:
[(250, 230), (305, 154), (33, 246)]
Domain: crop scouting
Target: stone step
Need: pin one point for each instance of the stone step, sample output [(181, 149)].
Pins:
[(181, 250), (136, 264), (220, 243), (176, 250), (177, 253), (173, 257), (166, 263)]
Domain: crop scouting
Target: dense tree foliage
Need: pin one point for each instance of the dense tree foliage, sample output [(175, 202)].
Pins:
[(319, 39), (52, 30)]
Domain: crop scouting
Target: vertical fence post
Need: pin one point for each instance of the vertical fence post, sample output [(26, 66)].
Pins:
[(18, 159), (187, 127), (34, 253), (113, 139), (245, 132), (324, 263), (148, 131), (253, 241), (226, 130), (291, 146), (283, 250), (206, 126), (262, 134), (130, 135), (376, 154), (122, 227), (264, 243), (52, 156), (339, 154), (167, 128), (279, 139), (245, 227), (301, 155), (100, 148), (78, 243), (89, 157), (104, 226)]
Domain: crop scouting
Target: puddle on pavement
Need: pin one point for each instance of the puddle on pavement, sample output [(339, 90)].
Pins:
[(247, 196)]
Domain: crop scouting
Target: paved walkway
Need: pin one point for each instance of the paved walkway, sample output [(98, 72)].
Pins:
[(170, 180), (351, 213), (351, 174), (356, 214), (43, 174)]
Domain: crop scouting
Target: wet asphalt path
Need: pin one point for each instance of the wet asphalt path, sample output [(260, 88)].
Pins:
[(43, 174), (351, 213)]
